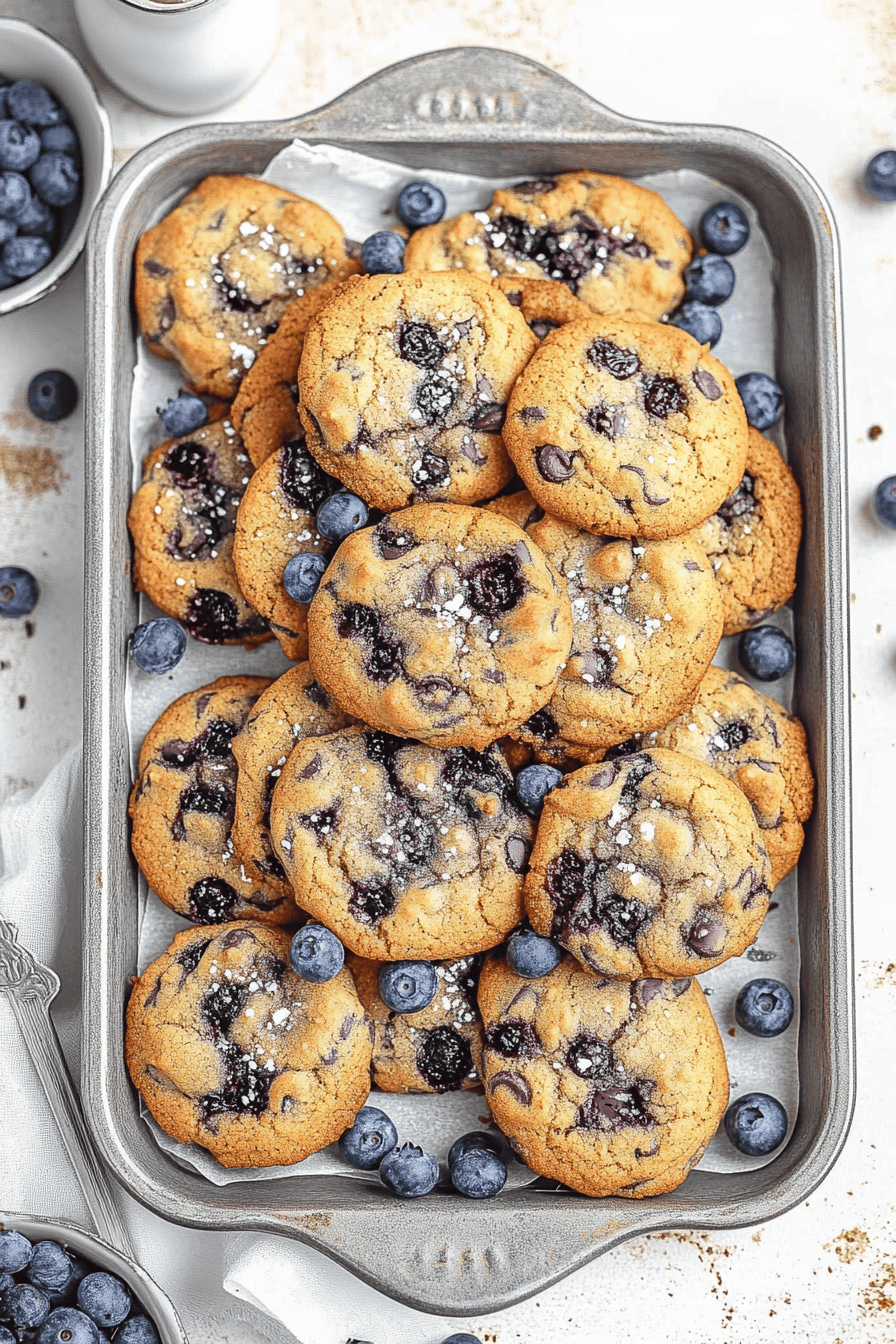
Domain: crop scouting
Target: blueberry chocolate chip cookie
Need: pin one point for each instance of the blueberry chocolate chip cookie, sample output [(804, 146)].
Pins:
[(275, 522), (545, 304), (626, 427), (215, 277), (753, 538), (442, 623), (754, 742), (182, 521), (231, 1050), (403, 387), (649, 864), (439, 1048), (612, 1088), (647, 619), (617, 246), (403, 850), (182, 807), (292, 708), (265, 410)]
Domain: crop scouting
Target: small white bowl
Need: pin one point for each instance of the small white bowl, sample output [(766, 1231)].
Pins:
[(28, 53)]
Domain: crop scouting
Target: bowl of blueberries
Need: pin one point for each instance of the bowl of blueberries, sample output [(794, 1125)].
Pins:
[(59, 1285), (55, 161)]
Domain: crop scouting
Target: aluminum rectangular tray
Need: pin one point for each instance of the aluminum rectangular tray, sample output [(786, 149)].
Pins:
[(492, 113)]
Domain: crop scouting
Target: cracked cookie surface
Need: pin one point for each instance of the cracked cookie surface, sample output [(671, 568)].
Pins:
[(182, 520), (649, 864), (182, 808), (214, 278), (438, 1049), (291, 709), (231, 1050), (403, 385), (612, 1088), (442, 623), (616, 245), (403, 850), (753, 741), (627, 428)]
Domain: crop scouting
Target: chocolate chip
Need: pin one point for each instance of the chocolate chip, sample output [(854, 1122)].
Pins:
[(515, 297), (598, 664), (470, 451), (322, 821), (517, 851), (542, 725), (495, 586), (513, 1040), (346, 1026), (603, 778), (655, 500), (706, 936), (541, 326), (621, 364), (554, 464), (610, 421), (756, 887), (733, 735), (589, 1057), (312, 768), (681, 986), (371, 901), (535, 186), (431, 471), (741, 502), (489, 418), (614, 1108), (317, 695), (515, 1084), (191, 956), (445, 1059), (213, 742), (153, 267), (211, 900), (419, 343), (393, 545), (664, 263), (303, 482), (663, 396), (493, 674), (693, 566), (648, 989), (707, 384), (213, 799), (436, 692), (530, 415)]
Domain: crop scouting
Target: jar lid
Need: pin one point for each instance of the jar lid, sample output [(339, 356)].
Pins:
[(166, 6)]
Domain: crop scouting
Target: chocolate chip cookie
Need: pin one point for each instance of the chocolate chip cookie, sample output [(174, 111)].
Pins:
[(617, 246), (292, 708), (403, 850), (647, 619), (611, 1088), (438, 1049), (627, 428), (650, 864), (545, 304), (404, 383), (182, 808), (755, 743), (275, 521), (753, 538), (231, 1050), (214, 278), (182, 520), (441, 623)]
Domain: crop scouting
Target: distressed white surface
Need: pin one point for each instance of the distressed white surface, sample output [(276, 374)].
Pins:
[(819, 79)]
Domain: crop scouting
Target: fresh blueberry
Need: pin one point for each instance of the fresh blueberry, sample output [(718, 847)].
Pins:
[(482, 1140), (409, 1172), (880, 175), (6, 1336), (766, 652), (316, 954), (462, 1339), (19, 591), (5, 278), (302, 576), (8, 229), (50, 1267), (478, 1174), (764, 1008), (62, 138), (104, 1298), (383, 254), (531, 956), (182, 414), (67, 1325), (26, 256), (533, 783), (407, 986), (756, 1123), (699, 321), (340, 515), (724, 228), (25, 1307), (159, 645), (30, 102), (15, 194), (19, 146), (6, 1281), (420, 203), (762, 398), (4, 90), (55, 177), (885, 501), (52, 395), (370, 1138), (138, 1330), (37, 220), (15, 1250), (709, 279)]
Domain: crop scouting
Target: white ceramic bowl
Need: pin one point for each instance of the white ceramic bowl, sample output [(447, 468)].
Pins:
[(28, 53), (150, 1296)]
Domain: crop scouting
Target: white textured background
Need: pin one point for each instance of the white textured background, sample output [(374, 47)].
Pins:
[(819, 77)]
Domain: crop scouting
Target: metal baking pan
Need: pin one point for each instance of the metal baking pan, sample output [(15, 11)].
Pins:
[(492, 113)]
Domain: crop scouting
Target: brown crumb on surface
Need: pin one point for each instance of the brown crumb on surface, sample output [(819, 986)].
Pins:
[(875, 432), (21, 702), (31, 471), (850, 1245), (879, 1295)]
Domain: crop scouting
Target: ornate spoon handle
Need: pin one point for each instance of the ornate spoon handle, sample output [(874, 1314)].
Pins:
[(31, 988)]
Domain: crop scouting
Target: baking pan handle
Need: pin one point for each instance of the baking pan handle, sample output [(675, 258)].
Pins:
[(466, 93)]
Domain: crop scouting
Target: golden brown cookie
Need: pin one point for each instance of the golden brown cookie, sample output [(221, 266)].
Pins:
[(545, 304), (519, 507), (230, 1049)]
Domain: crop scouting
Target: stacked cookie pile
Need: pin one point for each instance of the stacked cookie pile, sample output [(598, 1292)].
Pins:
[(496, 513)]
